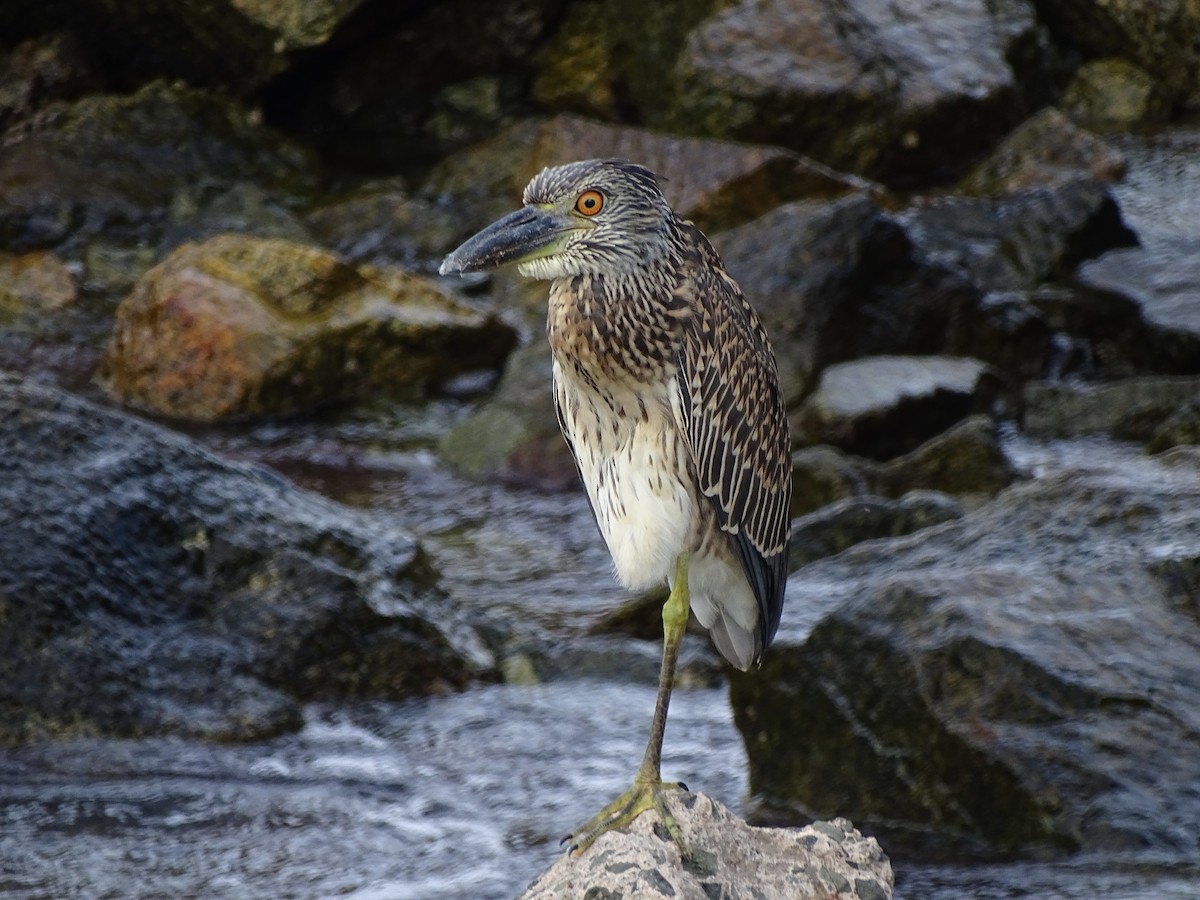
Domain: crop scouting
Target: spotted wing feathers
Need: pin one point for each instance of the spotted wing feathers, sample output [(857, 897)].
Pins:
[(736, 427)]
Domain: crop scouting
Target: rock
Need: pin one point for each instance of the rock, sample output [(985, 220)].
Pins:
[(236, 43), (1022, 677), (606, 60), (883, 406), (1016, 242), (717, 184), (1113, 93), (822, 475), (514, 435), (865, 87), (1159, 37), (731, 859), (38, 71), (414, 82), (1180, 427), (34, 282), (840, 525), (837, 280), (1130, 409), (152, 588), (1044, 151), (965, 461), (105, 167), (384, 226), (241, 326), (1162, 282)]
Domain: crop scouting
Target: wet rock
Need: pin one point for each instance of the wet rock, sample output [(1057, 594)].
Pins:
[(241, 326), (1047, 149), (840, 525), (1161, 282), (884, 406), (1159, 37), (1014, 243), (514, 435), (150, 587), (1129, 409), (965, 461), (822, 474), (837, 280), (717, 184), (107, 166), (33, 283), (860, 86), (384, 225), (730, 859), (1113, 93), (1180, 427), (961, 691)]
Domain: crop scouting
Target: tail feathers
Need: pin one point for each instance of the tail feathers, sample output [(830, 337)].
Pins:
[(734, 642)]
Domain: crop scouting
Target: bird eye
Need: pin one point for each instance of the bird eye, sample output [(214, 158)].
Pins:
[(590, 203)]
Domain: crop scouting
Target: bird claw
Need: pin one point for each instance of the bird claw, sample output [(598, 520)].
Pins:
[(642, 796)]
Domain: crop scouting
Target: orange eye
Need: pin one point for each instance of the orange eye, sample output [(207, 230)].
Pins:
[(590, 203)]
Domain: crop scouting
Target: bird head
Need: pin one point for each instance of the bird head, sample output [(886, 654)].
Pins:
[(597, 216)]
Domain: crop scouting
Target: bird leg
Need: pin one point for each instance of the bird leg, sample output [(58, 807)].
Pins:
[(649, 790)]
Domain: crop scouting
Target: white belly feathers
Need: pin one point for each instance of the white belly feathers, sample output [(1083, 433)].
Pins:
[(633, 464)]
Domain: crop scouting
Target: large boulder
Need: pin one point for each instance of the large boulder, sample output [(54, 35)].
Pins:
[(241, 326), (729, 859), (1023, 676), (839, 279), (883, 406), (877, 89), (150, 587), (716, 183), (1160, 286)]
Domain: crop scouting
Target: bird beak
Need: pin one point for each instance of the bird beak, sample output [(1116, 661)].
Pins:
[(519, 237)]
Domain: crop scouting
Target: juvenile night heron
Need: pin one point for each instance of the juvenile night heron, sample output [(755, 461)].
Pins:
[(666, 390)]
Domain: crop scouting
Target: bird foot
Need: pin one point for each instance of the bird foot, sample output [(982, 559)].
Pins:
[(644, 795)]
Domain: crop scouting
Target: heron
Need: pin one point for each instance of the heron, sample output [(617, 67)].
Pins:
[(667, 392)]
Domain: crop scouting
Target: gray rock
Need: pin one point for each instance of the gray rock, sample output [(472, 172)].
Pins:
[(840, 525), (1162, 281), (150, 587), (106, 167), (840, 279), (866, 87), (1016, 242), (965, 461), (1025, 675), (1130, 409), (1046, 149), (514, 435), (884, 406), (731, 859)]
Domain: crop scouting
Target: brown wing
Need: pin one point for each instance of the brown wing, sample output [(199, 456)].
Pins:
[(734, 418)]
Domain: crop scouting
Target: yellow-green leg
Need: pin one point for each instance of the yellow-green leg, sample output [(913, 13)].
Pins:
[(648, 790)]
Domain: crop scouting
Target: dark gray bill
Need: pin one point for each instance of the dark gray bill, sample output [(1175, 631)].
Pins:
[(518, 236)]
